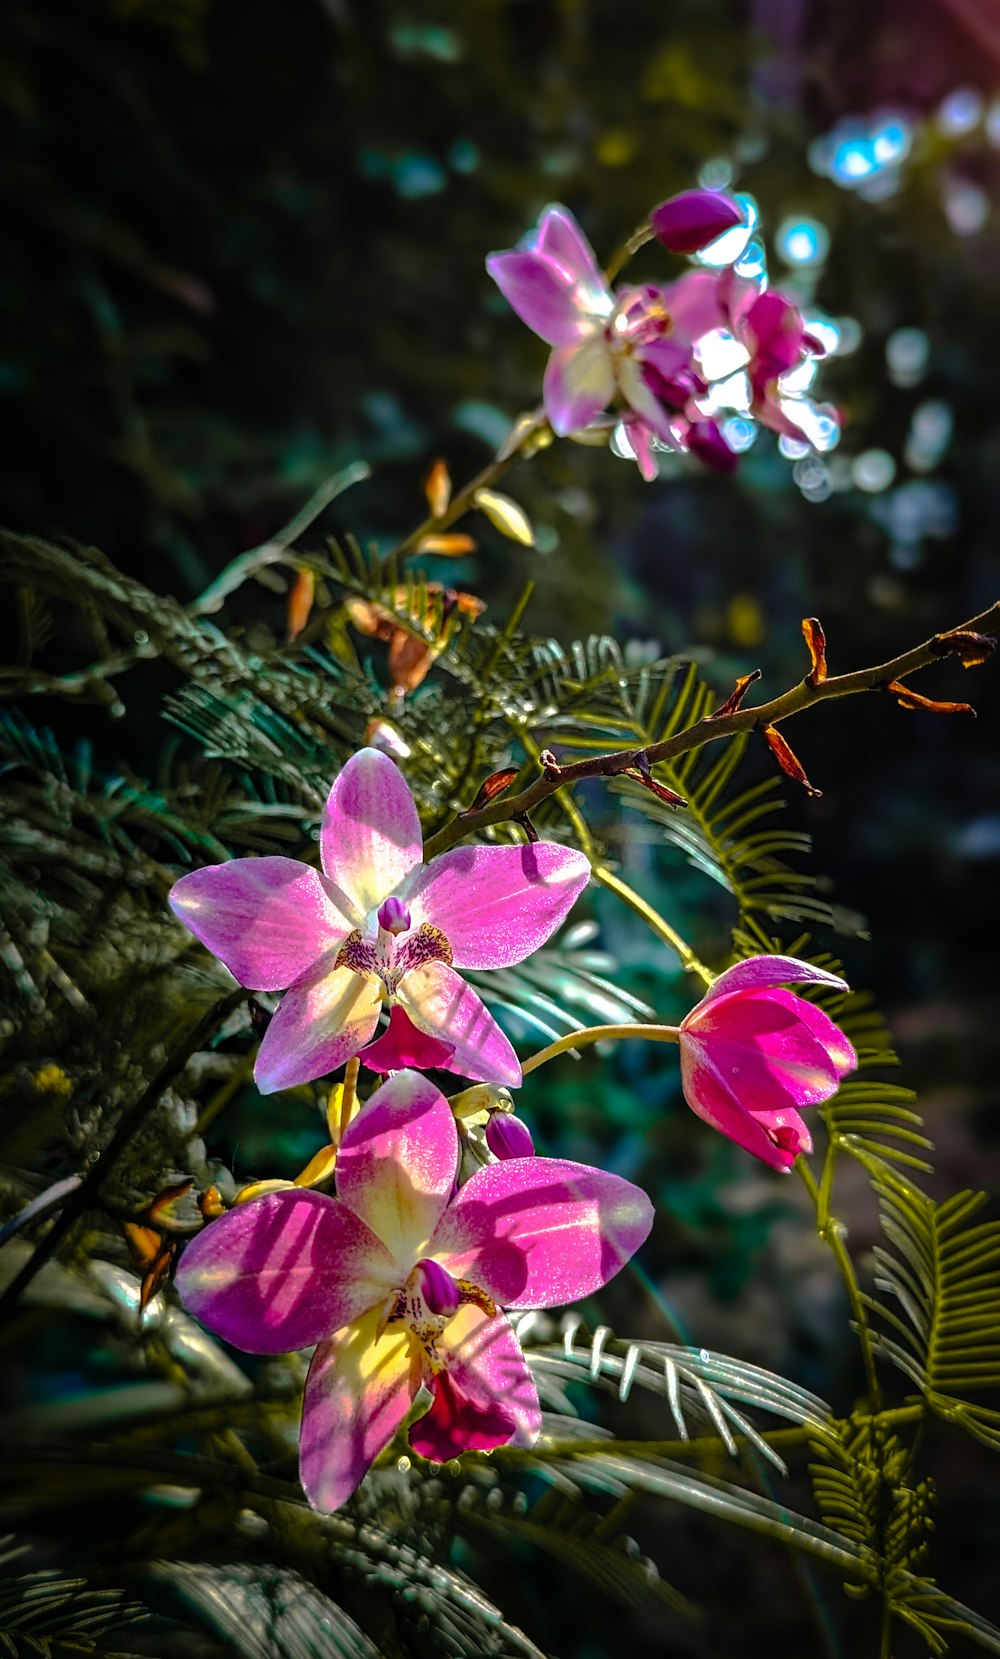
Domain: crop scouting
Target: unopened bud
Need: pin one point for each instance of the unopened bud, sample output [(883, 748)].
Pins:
[(690, 221), (393, 916), (380, 735), (508, 1137), (437, 1287)]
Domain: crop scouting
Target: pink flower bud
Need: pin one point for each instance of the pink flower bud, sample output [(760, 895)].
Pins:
[(393, 916), (508, 1137), (437, 1287), (688, 222)]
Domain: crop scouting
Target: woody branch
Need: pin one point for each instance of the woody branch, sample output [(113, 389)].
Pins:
[(725, 722)]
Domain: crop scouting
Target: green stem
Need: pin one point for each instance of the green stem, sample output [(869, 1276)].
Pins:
[(653, 919), (529, 427), (832, 1231), (600, 1034)]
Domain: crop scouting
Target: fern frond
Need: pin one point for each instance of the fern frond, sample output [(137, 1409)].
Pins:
[(944, 1277)]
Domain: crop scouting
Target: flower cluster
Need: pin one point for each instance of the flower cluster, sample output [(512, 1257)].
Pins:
[(649, 351), (401, 1280)]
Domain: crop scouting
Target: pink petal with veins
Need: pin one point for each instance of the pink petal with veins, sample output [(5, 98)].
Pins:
[(267, 919), (496, 905), (397, 1164), (545, 295), (282, 1271), (484, 1395), (559, 237), (440, 1004), (324, 1019), (539, 1232), (759, 972), (710, 1097), (359, 1389), (370, 837)]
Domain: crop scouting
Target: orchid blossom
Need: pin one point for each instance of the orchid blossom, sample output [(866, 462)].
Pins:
[(753, 1053), (400, 1279), (781, 353), (379, 926), (623, 346)]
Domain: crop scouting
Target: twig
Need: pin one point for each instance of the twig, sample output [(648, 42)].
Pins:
[(709, 729), (463, 500), (85, 1195)]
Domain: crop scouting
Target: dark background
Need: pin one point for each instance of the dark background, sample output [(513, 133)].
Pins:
[(243, 246)]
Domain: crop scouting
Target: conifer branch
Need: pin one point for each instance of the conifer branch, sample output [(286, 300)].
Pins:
[(722, 724), (86, 1195)]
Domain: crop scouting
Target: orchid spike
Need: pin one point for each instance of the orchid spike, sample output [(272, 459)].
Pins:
[(753, 1053), (400, 1280), (379, 926), (608, 347)]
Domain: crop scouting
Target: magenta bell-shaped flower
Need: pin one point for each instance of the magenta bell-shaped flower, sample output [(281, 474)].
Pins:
[(508, 1137), (752, 1054), (689, 222)]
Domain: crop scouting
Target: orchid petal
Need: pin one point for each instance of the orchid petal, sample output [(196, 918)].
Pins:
[(267, 919), (324, 1019), (695, 305), (710, 1097), (442, 1005), (759, 972), (772, 1020), (359, 1389), (496, 905), (558, 237), (640, 397), (370, 836), (484, 1395), (579, 384), (401, 1047), (545, 295), (282, 1271), (397, 1164), (539, 1232)]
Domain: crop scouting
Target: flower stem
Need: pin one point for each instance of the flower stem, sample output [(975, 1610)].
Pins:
[(663, 930), (833, 1232), (600, 1034), (619, 259), (527, 428), (350, 1089)]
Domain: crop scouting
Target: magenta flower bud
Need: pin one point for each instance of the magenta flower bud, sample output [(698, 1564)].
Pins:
[(393, 916), (508, 1137), (437, 1287), (706, 441), (688, 222)]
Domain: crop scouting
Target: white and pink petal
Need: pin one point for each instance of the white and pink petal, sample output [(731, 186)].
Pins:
[(283, 1271), (440, 1003), (322, 1021), (579, 384), (397, 1164), (484, 1395), (540, 1232), (370, 836), (267, 919), (360, 1387), (496, 905)]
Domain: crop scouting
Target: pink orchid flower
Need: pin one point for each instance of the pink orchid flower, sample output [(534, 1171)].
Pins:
[(774, 334), (752, 1054), (378, 925), (400, 1279), (607, 346)]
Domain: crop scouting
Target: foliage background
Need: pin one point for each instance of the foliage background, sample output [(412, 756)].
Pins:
[(244, 247)]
